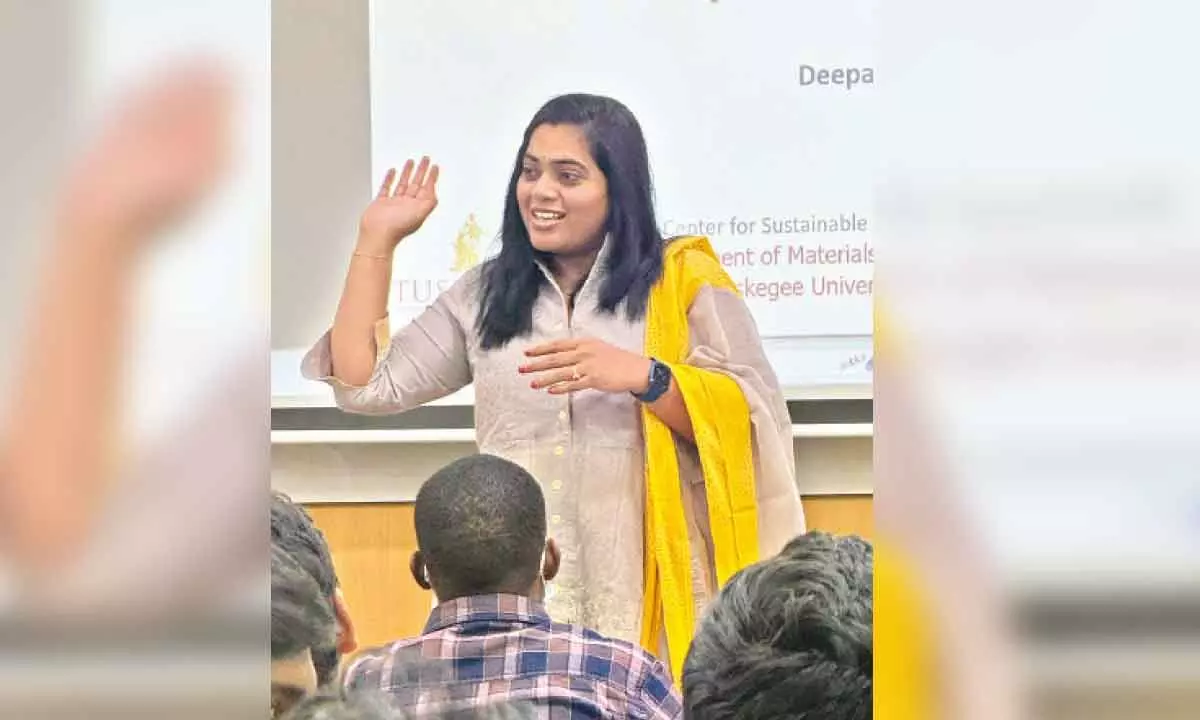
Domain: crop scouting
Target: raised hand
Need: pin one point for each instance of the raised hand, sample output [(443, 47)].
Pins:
[(400, 207), (154, 160)]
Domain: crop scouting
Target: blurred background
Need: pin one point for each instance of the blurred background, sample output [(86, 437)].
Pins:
[(1036, 385), (134, 199)]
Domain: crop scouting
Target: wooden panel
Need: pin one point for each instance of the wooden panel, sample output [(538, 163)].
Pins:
[(841, 514), (372, 543)]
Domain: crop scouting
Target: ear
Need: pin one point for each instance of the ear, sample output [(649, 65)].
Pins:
[(420, 571), (553, 559), (346, 640)]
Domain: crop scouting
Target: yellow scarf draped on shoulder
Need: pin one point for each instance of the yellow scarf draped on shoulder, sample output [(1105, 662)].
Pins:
[(720, 419)]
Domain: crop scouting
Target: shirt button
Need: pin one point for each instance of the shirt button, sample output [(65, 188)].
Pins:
[(556, 520), (562, 415), (556, 485), (559, 450)]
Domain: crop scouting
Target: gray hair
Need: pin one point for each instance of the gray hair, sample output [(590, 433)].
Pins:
[(294, 532), (788, 637), (300, 617)]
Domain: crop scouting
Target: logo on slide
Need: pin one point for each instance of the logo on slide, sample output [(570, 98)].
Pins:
[(466, 245)]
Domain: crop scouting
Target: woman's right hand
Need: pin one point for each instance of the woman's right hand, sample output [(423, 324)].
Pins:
[(398, 211)]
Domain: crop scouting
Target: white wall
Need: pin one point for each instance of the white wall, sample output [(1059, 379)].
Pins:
[(320, 159), (394, 473)]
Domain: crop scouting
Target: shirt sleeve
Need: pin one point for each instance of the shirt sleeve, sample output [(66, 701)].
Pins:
[(425, 360), (659, 694)]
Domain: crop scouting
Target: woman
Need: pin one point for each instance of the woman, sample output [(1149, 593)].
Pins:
[(554, 333)]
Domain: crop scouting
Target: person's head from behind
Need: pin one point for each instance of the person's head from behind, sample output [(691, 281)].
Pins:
[(481, 529), (293, 531), (301, 620), (789, 637), (582, 174)]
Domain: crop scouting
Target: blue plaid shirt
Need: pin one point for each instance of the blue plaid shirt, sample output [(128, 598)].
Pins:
[(504, 649)]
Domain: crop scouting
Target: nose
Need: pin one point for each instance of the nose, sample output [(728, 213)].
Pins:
[(544, 188)]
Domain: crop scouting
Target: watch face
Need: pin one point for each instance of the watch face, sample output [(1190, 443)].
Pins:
[(660, 381), (660, 376)]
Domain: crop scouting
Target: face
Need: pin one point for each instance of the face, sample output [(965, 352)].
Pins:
[(561, 192)]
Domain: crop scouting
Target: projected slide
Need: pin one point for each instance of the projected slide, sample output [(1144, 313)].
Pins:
[(757, 117)]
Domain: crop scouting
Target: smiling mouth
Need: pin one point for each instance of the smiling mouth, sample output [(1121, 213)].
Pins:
[(544, 220)]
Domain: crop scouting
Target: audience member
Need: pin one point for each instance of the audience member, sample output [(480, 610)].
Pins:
[(301, 620), (483, 550), (293, 531), (332, 705), (788, 637)]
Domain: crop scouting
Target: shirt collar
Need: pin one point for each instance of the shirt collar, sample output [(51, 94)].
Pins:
[(499, 607), (592, 282)]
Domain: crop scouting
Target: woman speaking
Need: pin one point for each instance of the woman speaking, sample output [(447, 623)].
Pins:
[(622, 369)]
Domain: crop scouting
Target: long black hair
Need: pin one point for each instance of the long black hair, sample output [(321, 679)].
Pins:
[(512, 280)]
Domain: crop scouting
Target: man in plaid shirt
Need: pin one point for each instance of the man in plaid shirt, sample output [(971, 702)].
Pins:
[(481, 534)]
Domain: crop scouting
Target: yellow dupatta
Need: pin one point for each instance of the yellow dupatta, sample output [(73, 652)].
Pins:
[(720, 418)]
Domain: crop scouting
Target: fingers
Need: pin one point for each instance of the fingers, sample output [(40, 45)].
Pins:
[(554, 346), (554, 378), (405, 176), (430, 185), (416, 180), (566, 388), (419, 179), (385, 189), (551, 362)]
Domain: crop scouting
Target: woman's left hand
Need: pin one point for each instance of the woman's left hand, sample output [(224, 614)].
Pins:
[(573, 364)]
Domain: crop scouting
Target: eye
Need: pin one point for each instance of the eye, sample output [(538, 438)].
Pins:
[(570, 177), (529, 172)]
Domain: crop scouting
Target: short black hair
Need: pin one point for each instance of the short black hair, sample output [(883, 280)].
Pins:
[(481, 527), (300, 616), (789, 637), (293, 530)]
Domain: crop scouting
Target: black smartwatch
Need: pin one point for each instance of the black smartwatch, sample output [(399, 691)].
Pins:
[(660, 382)]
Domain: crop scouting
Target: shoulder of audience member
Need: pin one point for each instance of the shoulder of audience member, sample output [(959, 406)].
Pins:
[(646, 668), (365, 669)]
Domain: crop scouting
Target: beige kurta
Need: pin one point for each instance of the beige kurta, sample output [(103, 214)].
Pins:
[(586, 449)]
